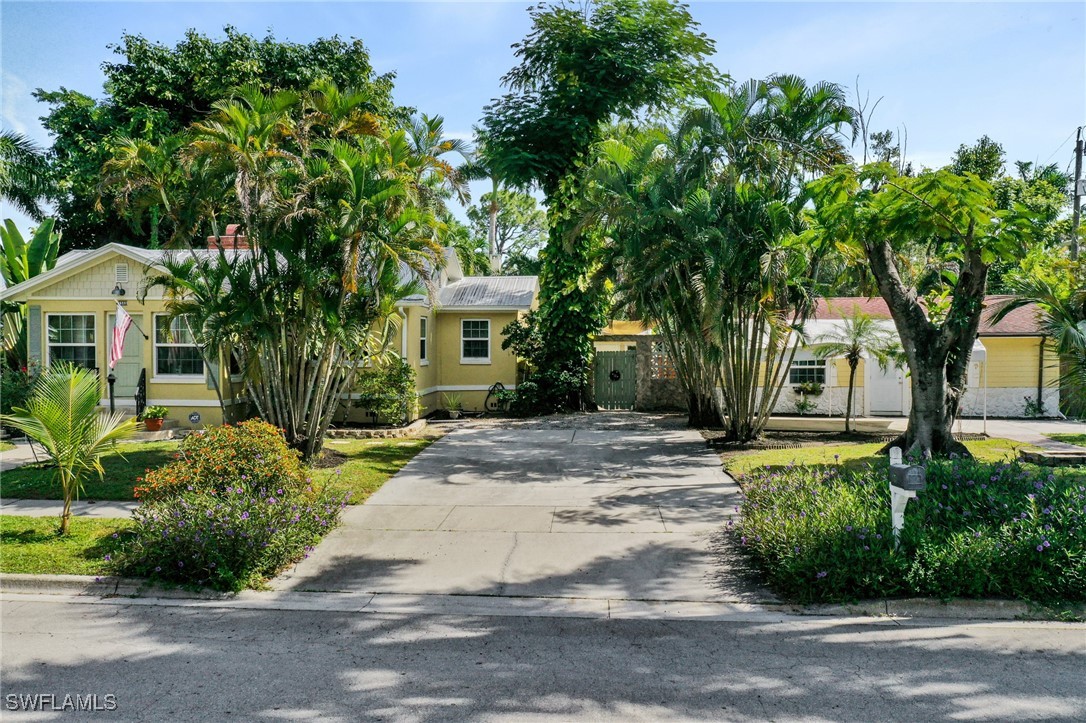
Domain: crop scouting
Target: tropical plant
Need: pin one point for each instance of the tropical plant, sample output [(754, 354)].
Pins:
[(154, 412), (708, 237), (62, 415), (453, 402), (581, 66), (859, 335), (877, 212), (24, 174), (333, 216), (154, 91), (22, 260), (387, 390)]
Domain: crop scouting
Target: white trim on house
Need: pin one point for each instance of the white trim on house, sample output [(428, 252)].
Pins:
[(424, 341), (506, 309), (45, 335)]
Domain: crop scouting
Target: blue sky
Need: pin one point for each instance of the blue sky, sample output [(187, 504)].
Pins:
[(946, 72)]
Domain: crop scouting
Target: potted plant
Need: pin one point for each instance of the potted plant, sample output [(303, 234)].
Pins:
[(453, 405), (152, 417)]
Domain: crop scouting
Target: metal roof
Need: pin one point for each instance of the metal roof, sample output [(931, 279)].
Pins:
[(502, 292), (1024, 321)]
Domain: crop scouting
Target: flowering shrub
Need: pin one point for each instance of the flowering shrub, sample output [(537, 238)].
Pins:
[(234, 508), (979, 530), (252, 453)]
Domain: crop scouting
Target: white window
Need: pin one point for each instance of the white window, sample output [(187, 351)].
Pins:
[(176, 353), (71, 339), (807, 371), (422, 339), (475, 341)]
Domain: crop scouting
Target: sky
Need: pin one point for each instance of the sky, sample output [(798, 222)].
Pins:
[(946, 73)]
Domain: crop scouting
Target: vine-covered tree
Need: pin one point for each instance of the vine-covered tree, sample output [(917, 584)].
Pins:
[(580, 66), (154, 91)]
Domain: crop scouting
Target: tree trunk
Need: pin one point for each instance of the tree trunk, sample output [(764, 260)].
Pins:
[(852, 364), (703, 413), (938, 355)]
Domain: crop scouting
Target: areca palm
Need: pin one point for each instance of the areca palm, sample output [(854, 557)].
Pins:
[(24, 174), (860, 335), (62, 415)]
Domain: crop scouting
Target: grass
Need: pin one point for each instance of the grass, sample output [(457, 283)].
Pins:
[(35, 482), (853, 456), (32, 545), (1079, 439), (6, 446), (369, 464)]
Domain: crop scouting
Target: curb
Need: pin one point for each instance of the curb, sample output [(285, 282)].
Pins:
[(918, 608)]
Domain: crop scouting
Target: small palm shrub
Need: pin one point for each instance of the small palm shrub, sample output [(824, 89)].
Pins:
[(62, 415), (234, 508), (1003, 530)]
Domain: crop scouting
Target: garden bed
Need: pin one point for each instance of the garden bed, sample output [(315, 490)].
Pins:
[(821, 532), (369, 432)]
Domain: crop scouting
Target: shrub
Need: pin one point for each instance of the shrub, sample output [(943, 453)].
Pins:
[(15, 388), (252, 453), (388, 391), (979, 530), (234, 508)]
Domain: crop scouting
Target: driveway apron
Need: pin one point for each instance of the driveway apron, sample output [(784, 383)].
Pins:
[(520, 511)]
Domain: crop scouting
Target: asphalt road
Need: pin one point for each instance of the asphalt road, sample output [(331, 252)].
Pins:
[(182, 662)]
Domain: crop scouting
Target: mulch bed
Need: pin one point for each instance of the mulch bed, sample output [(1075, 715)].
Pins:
[(328, 458), (793, 440)]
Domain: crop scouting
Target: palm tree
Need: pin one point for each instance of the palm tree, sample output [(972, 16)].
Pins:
[(62, 415), (141, 176), (24, 174), (1062, 316), (860, 335)]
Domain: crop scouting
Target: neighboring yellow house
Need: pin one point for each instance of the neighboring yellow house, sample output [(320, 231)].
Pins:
[(453, 340)]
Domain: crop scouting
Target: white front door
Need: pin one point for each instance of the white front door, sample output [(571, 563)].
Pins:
[(885, 390), (130, 364)]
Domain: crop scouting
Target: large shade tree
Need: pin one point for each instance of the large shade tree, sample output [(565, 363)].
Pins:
[(336, 208), (154, 91), (580, 66)]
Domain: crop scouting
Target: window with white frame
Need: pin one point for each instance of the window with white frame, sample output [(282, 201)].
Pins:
[(176, 353), (807, 371), (70, 338), (474, 341), (422, 339)]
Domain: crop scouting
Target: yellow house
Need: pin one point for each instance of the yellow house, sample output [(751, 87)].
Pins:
[(451, 337)]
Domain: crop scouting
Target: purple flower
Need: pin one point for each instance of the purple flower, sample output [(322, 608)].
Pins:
[(158, 569), (1040, 548), (848, 528), (244, 515), (821, 575), (1047, 543), (180, 564), (109, 558)]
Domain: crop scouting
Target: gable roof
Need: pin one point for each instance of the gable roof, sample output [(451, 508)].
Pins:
[(489, 292), (1024, 321), (72, 261)]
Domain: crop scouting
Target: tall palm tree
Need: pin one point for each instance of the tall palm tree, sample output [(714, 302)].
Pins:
[(24, 174), (62, 415), (860, 335)]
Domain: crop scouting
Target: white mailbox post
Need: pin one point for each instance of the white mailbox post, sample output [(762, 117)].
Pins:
[(905, 481)]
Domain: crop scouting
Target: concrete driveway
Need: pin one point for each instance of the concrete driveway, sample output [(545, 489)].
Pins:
[(611, 506)]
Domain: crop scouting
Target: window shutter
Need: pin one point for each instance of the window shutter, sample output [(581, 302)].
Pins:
[(212, 373), (33, 336)]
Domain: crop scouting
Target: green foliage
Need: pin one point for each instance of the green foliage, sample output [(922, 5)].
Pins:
[(520, 228), (24, 174), (234, 508), (124, 470), (154, 412), (15, 388), (579, 68), (21, 260), (155, 91), (62, 415), (32, 546), (453, 402), (979, 530), (985, 159), (388, 390)]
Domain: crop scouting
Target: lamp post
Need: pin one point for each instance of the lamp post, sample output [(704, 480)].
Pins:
[(112, 379)]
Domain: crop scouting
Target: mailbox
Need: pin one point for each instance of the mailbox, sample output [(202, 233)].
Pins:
[(908, 477)]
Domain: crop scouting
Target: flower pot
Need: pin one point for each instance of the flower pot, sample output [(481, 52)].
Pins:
[(454, 414), (153, 425)]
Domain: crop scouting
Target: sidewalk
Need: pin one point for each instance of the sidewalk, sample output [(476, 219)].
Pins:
[(22, 454)]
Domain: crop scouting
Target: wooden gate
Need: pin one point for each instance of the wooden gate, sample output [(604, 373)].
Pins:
[(616, 379)]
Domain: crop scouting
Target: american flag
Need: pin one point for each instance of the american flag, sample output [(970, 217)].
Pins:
[(120, 328)]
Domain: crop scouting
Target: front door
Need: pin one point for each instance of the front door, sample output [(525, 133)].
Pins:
[(885, 391), (616, 379), (130, 364)]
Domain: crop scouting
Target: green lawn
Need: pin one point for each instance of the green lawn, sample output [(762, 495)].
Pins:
[(370, 463), (5, 446), (35, 482), (1079, 439), (32, 545), (852, 455)]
